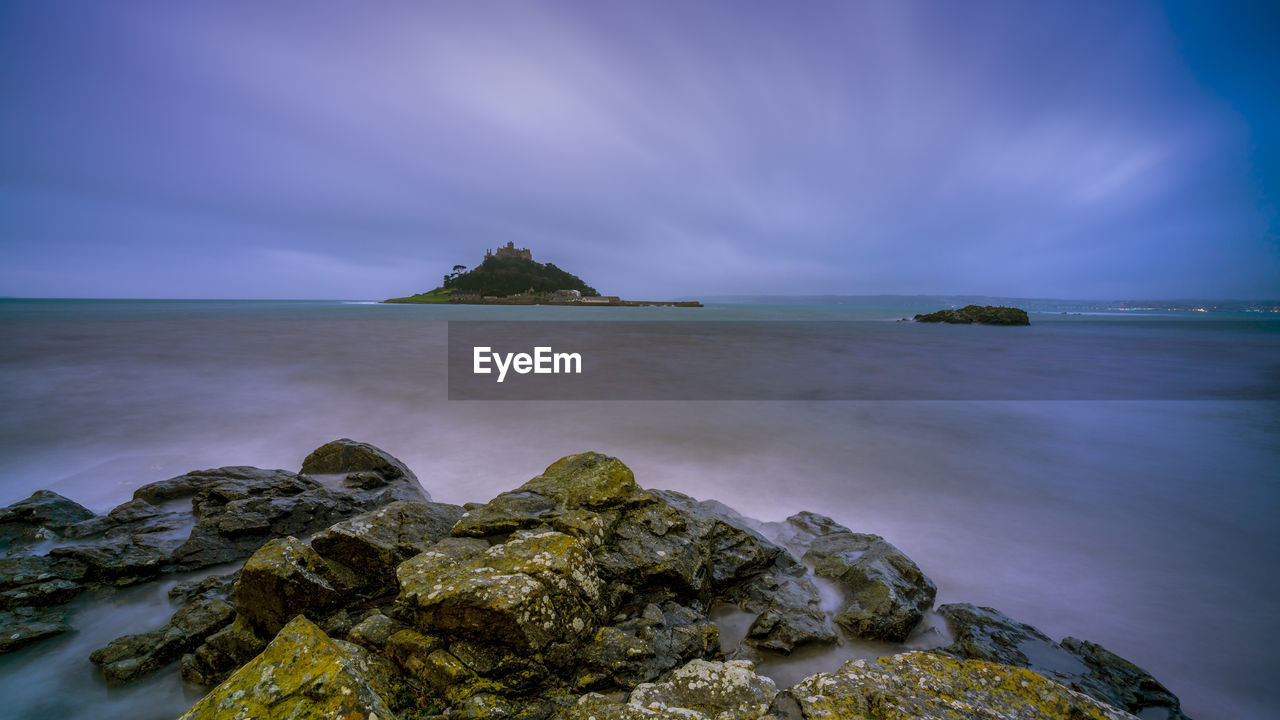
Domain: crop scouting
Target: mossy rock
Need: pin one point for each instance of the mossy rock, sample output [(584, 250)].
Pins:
[(301, 675), (919, 685)]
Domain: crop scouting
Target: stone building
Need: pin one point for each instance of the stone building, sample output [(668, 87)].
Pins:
[(510, 251)]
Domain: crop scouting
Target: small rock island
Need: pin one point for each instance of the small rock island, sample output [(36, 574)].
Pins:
[(510, 276), (978, 315), (578, 595)]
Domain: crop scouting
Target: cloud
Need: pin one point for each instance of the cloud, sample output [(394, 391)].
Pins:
[(855, 148)]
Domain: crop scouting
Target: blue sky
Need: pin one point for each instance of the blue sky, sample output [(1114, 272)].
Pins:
[(347, 150)]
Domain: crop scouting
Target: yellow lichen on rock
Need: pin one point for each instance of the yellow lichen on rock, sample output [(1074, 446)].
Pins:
[(302, 675), (926, 686)]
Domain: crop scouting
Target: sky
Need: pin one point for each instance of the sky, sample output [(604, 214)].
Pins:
[(657, 149)]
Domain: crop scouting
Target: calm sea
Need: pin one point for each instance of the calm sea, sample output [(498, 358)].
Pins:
[(1145, 525)]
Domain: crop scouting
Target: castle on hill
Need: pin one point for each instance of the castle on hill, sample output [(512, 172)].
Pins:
[(510, 251)]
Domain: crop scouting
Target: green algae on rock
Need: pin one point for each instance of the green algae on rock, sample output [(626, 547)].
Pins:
[(301, 675), (927, 686)]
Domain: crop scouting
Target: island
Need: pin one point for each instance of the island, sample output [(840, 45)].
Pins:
[(978, 315), (510, 276)]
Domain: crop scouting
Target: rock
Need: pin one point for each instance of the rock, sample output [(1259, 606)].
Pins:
[(39, 517), (375, 543), (22, 626), (886, 593), (987, 634), (301, 675), (49, 592), (700, 690), (39, 580), (129, 657), (223, 652), (642, 648), (121, 560), (584, 482), (374, 631), (980, 314), (925, 685), (348, 456), (527, 593), (283, 579), (220, 586)]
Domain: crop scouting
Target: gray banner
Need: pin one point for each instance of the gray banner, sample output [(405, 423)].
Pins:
[(857, 361)]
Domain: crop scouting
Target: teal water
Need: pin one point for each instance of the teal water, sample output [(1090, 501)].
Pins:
[(1146, 526)]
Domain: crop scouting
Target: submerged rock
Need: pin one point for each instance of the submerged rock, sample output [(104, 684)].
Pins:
[(301, 675), (979, 314), (132, 656), (987, 634), (886, 593), (925, 685)]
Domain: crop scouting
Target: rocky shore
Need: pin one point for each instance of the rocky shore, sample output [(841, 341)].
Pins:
[(578, 595)]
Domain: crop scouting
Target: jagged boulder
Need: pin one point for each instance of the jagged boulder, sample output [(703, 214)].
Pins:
[(886, 593), (700, 690), (987, 634), (301, 675), (374, 543), (283, 579), (922, 685), (641, 648), (536, 589), (38, 581)]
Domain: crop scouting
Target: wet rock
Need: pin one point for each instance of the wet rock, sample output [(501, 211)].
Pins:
[(700, 690), (220, 586), (223, 652), (886, 592), (642, 648), (132, 656), (375, 543), (283, 579), (123, 560), (987, 634), (22, 626), (348, 456), (927, 685), (40, 594), (735, 551), (529, 592), (301, 675), (39, 517), (36, 580)]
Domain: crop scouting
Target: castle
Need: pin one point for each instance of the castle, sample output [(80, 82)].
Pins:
[(510, 251)]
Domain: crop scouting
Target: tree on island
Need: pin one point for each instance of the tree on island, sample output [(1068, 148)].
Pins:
[(507, 276)]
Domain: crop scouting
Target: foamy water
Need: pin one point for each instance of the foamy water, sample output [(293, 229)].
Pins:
[(1145, 526)]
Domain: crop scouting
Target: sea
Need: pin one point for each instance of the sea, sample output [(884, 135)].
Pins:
[(1143, 521)]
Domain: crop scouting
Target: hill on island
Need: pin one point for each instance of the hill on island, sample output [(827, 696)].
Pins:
[(511, 275)]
